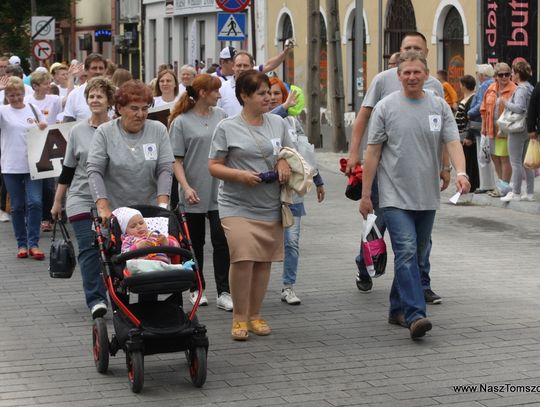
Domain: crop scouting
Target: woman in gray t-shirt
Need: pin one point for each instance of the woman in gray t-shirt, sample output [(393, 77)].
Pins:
[(99, 95), (192, 123), (243, 147)]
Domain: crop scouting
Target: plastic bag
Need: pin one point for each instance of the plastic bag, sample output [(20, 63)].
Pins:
[(484, 155), (373, 248), (532, 156)]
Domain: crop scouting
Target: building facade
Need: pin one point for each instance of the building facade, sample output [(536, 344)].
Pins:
[(458, 33)]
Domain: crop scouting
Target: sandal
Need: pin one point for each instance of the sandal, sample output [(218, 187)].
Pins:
[(494, 193), (22, 253), (259, 327), (36, 253), (239, 331)]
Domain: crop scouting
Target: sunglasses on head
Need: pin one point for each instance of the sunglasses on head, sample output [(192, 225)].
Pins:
[(503, 74)]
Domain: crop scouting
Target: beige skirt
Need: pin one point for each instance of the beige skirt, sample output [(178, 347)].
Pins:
[(253, 240)]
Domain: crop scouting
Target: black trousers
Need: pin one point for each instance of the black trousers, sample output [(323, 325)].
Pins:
[(197, 229)]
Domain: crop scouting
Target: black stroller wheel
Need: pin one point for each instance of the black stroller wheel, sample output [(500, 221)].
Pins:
[(197, 366), (135, 366), (100, 345)]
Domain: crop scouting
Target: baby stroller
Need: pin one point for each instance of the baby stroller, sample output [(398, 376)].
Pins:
[(150, 325)]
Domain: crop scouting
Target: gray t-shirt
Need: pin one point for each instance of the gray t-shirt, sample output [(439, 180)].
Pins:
[(79, 199), (129, 164), (387, 82), (191, 136), (243, 146), (412, 132)]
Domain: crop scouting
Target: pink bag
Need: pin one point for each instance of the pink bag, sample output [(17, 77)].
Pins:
[(373, 248)]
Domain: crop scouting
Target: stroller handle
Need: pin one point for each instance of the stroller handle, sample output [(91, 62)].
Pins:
[(120, 258)]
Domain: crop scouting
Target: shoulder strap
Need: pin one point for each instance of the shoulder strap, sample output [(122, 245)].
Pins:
[(34, 111)]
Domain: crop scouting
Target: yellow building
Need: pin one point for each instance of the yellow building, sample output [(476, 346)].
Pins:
[(450, 27)]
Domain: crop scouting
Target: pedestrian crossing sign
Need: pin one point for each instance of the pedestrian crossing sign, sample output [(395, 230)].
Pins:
[(231, 26)]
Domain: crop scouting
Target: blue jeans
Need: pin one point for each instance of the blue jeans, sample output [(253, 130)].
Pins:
[(410, 233), (26, 197), (292, 245), (89, 263), (424, 264)]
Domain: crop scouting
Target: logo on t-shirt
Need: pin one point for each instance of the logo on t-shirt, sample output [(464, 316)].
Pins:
[(150, 151), (435, 122)]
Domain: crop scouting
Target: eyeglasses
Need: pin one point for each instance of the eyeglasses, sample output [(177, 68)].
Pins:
[(503, 74)]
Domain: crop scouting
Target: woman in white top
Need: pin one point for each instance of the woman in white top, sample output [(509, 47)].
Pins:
[(166, 88), (187, 75), (16, 119)]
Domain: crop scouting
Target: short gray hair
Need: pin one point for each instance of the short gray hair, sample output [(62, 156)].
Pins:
[(485, 69), (412, 56)]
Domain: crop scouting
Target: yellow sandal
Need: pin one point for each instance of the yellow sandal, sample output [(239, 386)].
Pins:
[(239, 331), (259, 327)]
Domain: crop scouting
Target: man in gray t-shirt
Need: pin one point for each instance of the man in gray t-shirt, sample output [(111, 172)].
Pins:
[(407, 131), (382, 85)]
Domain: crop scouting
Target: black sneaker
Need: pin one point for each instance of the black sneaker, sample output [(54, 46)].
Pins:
[(431, 298), (364, 284)]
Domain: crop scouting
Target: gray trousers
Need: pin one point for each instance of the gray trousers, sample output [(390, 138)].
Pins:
[(517, 146)]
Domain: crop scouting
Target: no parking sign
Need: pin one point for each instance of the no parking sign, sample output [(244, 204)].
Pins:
[(232, 6)]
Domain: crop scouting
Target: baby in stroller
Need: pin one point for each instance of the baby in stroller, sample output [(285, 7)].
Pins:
[(136, 235)]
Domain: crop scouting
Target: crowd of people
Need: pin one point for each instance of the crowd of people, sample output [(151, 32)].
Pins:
[(217, 159), (116, 158)]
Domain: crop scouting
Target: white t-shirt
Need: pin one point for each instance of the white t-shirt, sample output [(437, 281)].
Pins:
[(228, 101), (14, 125), (50, 106), (76, 105), (158, 101)]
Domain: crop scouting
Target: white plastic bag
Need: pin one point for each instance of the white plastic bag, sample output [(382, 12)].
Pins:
[(484, 155)]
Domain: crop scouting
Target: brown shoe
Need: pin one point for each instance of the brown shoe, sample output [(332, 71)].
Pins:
[(419, 327), (397, 319)]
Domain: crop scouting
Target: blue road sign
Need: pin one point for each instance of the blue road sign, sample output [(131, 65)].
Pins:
[(231, 27)]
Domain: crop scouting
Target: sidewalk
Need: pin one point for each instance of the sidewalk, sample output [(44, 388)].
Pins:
[(330, 161)]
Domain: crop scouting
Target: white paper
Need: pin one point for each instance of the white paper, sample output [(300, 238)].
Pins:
[(455, 198)]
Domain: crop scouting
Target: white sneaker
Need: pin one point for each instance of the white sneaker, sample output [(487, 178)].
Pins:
[(4, 216), (98, 310), (524, 197), (289, 296), (224, 301), (193, 297), (510, 196)]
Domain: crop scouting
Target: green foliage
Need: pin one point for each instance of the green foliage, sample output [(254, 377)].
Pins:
[(15, 17)]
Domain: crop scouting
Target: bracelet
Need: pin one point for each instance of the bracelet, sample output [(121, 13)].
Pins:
[(463, 174), (449, 168)]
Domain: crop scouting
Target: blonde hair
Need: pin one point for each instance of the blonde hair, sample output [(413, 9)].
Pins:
[(14, 83)]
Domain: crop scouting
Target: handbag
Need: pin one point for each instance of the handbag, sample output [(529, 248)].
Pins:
[(510, 122), (62, 260)]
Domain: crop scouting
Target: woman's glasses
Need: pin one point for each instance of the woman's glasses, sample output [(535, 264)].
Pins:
[(503, 74)]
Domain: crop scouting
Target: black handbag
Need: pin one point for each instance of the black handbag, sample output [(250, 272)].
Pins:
[(62, 260)]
